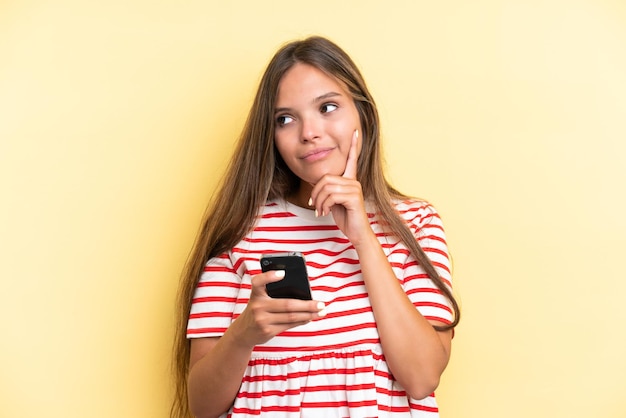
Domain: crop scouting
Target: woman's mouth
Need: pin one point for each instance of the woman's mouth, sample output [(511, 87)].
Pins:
[(316, 154)]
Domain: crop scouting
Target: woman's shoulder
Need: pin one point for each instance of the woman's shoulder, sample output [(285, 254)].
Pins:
[(415, 210), (414, 204)]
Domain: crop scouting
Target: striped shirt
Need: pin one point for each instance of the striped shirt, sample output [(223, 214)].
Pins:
[(333, 366)]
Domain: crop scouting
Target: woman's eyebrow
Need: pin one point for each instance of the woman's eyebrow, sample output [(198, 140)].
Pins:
[(316, 100), (326, 96)]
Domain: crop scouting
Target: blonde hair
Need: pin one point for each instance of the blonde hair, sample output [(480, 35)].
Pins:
[(257, 173)]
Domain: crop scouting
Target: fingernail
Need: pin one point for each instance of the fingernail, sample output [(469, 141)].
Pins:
[(356, 132), (322, 312), (321, 305), (316, 214), (310, 201), (279, 273)]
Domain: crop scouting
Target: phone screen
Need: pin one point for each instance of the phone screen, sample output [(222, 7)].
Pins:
[(295, 284)]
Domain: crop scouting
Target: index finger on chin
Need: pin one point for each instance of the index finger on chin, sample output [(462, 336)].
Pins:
[(353, 156)]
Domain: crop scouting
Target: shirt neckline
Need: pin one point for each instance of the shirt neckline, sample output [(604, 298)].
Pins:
[(309, 214), (304, 213)]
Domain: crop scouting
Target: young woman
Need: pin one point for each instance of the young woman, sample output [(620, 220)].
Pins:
[(307, 176)]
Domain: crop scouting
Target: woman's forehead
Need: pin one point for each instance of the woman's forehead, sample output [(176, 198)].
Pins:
[(304, 80)]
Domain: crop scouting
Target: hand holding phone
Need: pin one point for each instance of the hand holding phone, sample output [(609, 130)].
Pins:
[(295, 284)]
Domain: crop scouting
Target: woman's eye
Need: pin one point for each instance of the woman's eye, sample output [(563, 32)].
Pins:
[(283, 120), (328, 107)]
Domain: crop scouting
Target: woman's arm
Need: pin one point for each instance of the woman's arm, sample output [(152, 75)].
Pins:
[(217, 365), (416, 353)]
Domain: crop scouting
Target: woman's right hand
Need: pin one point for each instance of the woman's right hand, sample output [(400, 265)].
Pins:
[(217, 364), (265, 317)]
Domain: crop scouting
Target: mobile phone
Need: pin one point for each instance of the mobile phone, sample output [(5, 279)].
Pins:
[(295, 284)]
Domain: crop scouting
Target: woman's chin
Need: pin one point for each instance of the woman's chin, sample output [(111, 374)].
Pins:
[(315, 178)]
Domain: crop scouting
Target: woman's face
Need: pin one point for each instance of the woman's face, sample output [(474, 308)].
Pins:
[(315, 119)]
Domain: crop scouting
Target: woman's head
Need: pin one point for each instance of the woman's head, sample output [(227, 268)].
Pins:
[(316, 121), (260, 130)]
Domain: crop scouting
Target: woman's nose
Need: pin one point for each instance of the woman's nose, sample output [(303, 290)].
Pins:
[(311, 129)]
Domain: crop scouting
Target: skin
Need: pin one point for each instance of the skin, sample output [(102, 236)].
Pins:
[(317, 134), (316, 122)]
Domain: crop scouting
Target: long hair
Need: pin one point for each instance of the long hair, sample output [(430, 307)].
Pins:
[(257, 173)]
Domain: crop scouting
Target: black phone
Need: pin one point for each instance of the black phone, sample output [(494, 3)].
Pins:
[(295, 284)]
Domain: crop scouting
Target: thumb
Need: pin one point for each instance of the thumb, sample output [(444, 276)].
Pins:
[(260, 280)]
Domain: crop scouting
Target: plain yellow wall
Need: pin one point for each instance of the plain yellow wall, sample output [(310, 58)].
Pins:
[(116, 118)]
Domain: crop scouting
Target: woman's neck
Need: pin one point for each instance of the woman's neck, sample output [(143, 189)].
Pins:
[(301, 196)]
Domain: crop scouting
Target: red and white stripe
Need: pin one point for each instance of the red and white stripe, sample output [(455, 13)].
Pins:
[(334, 366)]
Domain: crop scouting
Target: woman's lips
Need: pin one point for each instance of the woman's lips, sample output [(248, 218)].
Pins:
[(316, 154)]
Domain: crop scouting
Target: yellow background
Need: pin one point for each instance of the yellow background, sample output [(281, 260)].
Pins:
[(116, 118)]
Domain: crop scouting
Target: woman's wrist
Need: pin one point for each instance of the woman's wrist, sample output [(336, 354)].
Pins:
[(366, 243), (236, 337)]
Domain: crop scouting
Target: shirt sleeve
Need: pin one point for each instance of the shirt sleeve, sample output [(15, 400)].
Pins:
[(428, 230), (215, 298)]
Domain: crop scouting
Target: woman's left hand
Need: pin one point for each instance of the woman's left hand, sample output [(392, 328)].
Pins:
[(342, 196)]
